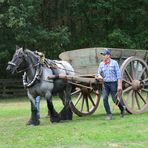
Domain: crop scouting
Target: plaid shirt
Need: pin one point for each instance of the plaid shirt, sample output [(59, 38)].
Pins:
[(110, 72)]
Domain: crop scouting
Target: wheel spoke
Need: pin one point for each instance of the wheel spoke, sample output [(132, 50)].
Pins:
[(138, 70), (129, 96), (141, 97), (127, 81), (141, 73), (130, 78), (75, 92), (127, 89), (133, 99), (96, 93), (82, 104), (146, 90), (145, 80), (137, 100), (87, 104), (78, 99), (132, 70), (91, 100)]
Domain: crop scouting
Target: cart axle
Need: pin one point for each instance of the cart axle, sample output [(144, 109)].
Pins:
[(137, 85)]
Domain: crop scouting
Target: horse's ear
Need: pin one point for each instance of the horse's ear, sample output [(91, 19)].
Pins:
[(23, 48), (17, 47)]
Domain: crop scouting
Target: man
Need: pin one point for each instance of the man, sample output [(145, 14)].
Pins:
[(110, 74), (37, 103)]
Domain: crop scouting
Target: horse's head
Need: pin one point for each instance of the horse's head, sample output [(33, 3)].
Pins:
[(17, 61)]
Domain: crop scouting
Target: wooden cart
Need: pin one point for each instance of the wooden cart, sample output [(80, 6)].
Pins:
[(134, 71)]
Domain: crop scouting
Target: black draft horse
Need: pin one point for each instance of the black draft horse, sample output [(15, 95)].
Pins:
[(36, 81)]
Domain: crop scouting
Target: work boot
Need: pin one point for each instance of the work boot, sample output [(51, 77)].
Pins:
[(122, 113), (109, 117)]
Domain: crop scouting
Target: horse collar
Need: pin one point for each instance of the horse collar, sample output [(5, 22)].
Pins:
[(36, 77)]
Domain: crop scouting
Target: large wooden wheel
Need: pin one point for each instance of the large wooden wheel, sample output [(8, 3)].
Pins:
[(84, 101), (134, 73)]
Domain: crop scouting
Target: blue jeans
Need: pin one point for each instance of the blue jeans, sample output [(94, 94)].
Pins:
[(110, 88), (37, 103)]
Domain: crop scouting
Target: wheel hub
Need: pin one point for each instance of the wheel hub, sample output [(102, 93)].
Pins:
[(85, 91), (136, 84)]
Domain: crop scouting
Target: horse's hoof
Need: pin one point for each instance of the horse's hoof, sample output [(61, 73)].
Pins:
[(55, 120), (66, 114)]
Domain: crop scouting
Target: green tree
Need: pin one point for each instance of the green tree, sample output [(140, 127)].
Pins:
[(54, 26)]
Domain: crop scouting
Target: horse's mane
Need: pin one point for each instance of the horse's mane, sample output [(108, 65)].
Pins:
[(32, 56)]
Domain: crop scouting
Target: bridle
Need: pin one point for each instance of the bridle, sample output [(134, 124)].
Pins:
[(30, 66), (11, 63), (23, 70), (38, 72)]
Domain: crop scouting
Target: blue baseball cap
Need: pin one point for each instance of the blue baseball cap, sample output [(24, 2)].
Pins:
[(106, 51)]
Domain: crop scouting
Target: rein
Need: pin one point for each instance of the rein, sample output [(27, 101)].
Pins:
[(38, 74), (57, 67), (30, 66)]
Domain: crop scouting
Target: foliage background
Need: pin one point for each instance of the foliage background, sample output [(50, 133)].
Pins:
[(54, 26)]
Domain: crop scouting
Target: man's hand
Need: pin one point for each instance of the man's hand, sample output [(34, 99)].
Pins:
[(100, 78), (119, 88), (119, 93)]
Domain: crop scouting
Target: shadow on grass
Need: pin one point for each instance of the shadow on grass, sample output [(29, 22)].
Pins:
[(95, 117)]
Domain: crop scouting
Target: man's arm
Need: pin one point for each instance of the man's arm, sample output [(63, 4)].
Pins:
[(98, 75), (119, 88), (118, 73)]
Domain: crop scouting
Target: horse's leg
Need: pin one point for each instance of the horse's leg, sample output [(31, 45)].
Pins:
[(62, 97), (34, 120), (66, 113), (54, 116)]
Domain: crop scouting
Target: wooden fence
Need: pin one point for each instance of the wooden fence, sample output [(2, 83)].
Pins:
[(11, 88)]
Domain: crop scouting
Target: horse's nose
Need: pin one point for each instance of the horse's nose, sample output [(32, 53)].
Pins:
[(8, 68), (11, 68)]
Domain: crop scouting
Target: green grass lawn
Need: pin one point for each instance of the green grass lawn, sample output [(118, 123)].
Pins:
[(82, 132)]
